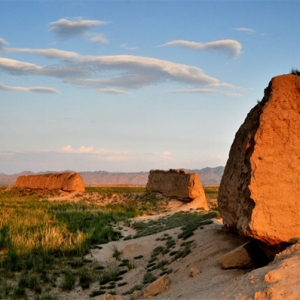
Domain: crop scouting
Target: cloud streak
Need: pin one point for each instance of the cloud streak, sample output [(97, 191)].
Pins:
[(65, 28), (244, 29), (3, 43), (107, 154), (36, 89), (230, 47), (204, 91), (114, 91), (99, 39), (50, 53)]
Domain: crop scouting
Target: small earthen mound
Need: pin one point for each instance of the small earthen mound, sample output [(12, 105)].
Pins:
[(69, 182), (259, 190)]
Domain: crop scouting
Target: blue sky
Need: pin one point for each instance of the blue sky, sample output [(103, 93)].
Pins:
[(126, 86)]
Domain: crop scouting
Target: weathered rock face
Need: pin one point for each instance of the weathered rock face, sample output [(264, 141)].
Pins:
[(177, 184), (260, 188), (67, 181)]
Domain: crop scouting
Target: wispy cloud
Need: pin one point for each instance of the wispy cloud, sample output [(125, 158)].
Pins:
[(18, 67), (3, 43), (107, 154), (66, 28), (36, 89), (244, 29), (204, 91), (114, 91), (99, 39), (166, 153), (138, 71), (126, 47), (197, 91), (50, 53), (231, 47), (113, 73)]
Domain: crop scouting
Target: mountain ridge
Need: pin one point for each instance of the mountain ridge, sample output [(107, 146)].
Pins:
[(207, 175)]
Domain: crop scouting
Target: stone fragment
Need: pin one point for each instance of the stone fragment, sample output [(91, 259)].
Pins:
[(69, 182), (260, 187), (112, 297), (137, 294), (237, 258), (158, 286), (194, 272), (178, 184)]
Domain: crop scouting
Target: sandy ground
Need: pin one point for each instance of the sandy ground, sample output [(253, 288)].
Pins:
[(278, 280)]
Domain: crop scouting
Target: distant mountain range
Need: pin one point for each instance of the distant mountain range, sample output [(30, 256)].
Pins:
[(207, 175)]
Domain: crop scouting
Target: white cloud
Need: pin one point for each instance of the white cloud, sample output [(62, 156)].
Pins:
[(205, 91), (200, 91), (114, 91), (51, 53), (233, 95), (23, 68), (36, 89), (99, 39), (166, 153), (230, 47), (126, 47), (66, 28), (82, 149), (91, 150), (3, 43), (244, 29), (15, 66)]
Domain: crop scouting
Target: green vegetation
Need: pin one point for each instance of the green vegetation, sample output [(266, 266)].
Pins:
[(110, 273), (211, 191), (39, 237), (191, 221), (43, 243), (295, 72), (115, 190), (68, 281), (116, 253), (148, 278)]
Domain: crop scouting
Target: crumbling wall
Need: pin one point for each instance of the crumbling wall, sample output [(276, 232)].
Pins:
[(67, 181)]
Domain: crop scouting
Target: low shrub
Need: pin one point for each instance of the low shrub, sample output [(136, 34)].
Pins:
[(148, 278), (68, 280)]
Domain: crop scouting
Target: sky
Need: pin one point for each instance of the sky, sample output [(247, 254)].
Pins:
[(130, 86)]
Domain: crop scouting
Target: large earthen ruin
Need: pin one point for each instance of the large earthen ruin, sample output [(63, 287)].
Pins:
[(68, 181), (259, 190)]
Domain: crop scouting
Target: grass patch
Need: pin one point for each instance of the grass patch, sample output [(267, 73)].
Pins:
[(179, 219), (97, 293), (110, 273), (115, 190), (137, 287), (39, 237), (148, 278), (211, 191), (68, 280), (85, 278), (116, 253)]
